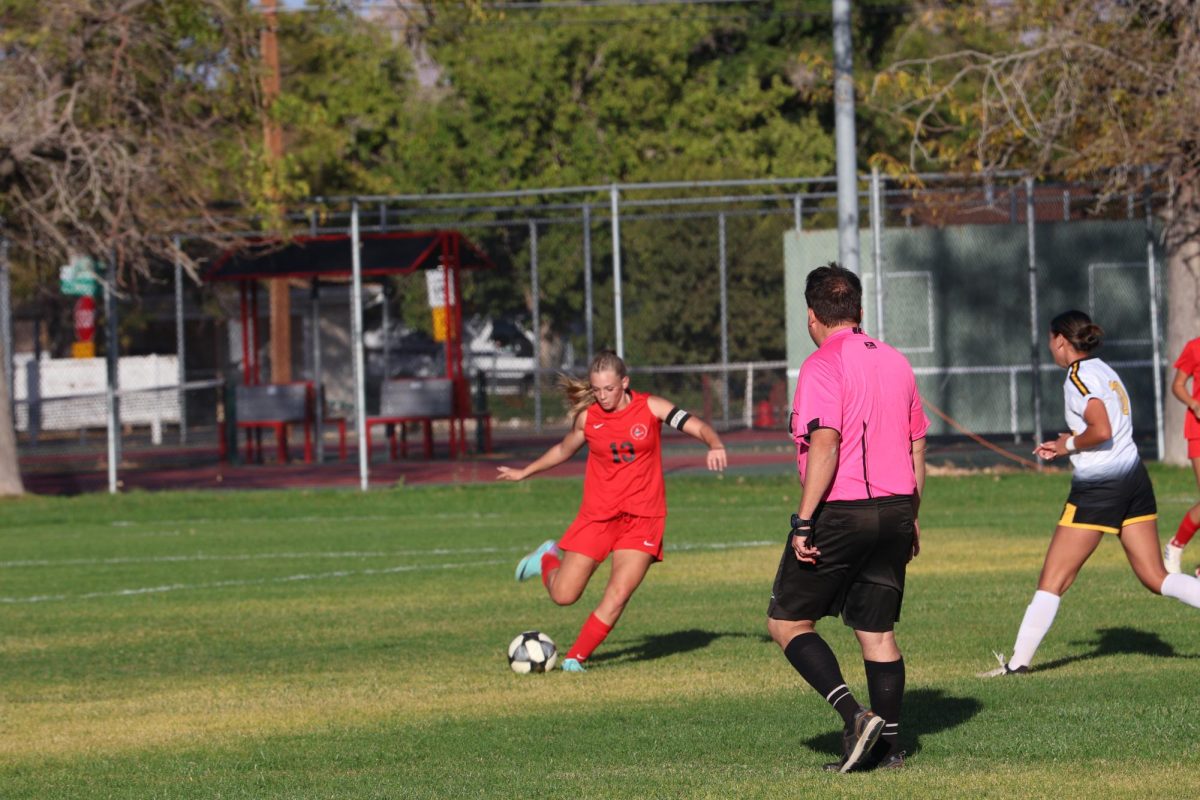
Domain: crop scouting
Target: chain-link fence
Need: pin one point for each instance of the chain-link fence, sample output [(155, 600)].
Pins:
[(684, 279), (970, 277)]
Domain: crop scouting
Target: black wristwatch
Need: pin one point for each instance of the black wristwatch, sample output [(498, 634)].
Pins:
[(802, 527)]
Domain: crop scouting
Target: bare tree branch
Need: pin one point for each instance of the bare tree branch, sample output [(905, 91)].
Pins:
[(120, 124)]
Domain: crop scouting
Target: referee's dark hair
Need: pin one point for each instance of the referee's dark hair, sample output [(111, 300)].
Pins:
[(1078, 329), (834, 293)]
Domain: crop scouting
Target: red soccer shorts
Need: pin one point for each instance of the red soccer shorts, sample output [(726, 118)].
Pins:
[(1193, 448), (597, 538)]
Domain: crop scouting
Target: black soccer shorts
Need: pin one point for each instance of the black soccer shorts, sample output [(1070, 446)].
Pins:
[(865, 548), (1109, 504)]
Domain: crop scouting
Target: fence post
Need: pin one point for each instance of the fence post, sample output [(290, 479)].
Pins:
[(33, 368), (318, 378), (748, 402), (1013, 422), (722, 268), (1034, 353), (6, 326), (877, 248), (360, 377), (112, 357), (619, 333), (386, 322), (537, 326), (587, 281), (1155, 342), (798, 211), (180, 345)]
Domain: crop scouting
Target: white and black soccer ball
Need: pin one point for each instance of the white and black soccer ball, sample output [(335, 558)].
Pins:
[(532, 651)]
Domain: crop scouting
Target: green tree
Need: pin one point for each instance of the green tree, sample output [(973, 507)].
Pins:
[(345, 99)]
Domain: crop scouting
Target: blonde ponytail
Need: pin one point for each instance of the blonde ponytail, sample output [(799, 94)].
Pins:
[(578, 391)]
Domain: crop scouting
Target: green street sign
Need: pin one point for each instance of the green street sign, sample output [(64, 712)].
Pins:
[(79, 277)]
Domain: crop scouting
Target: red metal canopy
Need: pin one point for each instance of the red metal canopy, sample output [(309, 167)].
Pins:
[(329, 255)]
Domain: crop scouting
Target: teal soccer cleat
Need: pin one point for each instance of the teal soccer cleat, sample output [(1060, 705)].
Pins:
[(531, 565), (572, 665)]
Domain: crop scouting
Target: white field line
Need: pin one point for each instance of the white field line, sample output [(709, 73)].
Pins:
[(175, 587), (122, 523), (438, 551), (98, 562), (685, 546)]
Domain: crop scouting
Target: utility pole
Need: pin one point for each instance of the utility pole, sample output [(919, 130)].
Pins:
[(843, 112), (281, 306)]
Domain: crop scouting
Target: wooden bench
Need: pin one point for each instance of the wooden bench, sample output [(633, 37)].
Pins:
[(274, 407), (422, 401)]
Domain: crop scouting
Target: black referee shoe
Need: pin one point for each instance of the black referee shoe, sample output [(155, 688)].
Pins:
[(890, 761), (858, 739)]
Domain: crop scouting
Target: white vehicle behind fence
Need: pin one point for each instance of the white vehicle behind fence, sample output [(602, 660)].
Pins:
[(502, 351)]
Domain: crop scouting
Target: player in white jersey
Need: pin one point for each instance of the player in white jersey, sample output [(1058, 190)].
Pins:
[(1110, 490)]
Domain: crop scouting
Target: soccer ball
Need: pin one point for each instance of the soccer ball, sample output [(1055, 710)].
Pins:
[(532, 651)]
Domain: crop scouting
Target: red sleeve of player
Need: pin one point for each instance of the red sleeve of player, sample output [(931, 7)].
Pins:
[(1187, 359)]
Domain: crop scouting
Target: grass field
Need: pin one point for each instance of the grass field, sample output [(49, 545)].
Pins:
[(331, 644)]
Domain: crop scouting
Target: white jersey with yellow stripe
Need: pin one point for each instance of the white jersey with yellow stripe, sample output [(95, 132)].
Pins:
[(1091, 378)]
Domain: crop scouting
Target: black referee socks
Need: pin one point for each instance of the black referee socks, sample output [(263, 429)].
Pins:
[(885, 683), (815, 662)]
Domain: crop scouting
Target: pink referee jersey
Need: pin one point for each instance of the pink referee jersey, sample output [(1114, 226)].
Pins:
[(866, 391)]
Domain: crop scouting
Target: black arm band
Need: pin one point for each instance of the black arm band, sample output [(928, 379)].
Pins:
[(677, 417)]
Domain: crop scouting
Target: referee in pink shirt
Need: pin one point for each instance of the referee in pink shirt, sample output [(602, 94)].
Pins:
[(859, 430)]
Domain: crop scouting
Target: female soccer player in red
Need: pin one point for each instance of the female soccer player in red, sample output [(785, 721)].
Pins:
[(624, 505), (1187, 367)]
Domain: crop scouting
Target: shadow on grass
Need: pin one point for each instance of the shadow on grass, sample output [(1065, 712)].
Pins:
[(662, 645), (926, 711), (1115, 642)]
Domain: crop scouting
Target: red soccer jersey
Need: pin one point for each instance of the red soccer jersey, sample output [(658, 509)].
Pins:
[(624, 467), (1189, 362)]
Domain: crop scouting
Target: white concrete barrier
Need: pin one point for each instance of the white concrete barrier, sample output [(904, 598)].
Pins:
[(68, 393)]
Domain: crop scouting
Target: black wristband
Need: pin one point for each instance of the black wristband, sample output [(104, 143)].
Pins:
[(799, 523)]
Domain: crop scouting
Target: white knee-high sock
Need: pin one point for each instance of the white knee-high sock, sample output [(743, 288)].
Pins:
[(1039, 616), (1184, 588)]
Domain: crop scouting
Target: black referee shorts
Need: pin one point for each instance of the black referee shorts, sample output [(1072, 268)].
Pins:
[(865, 548)]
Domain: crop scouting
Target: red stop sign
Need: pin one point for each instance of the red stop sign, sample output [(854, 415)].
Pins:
[(85, 319)]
